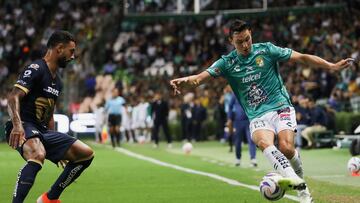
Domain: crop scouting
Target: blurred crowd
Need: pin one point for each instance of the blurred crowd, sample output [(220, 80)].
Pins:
[(144, 56), (25, 27), (164, 50), (153, 6)]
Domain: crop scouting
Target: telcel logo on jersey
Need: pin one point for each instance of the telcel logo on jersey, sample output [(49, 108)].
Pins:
[(251, 78), (52, 91)]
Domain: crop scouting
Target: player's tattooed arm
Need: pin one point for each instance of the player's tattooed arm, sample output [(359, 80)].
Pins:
[(189, 81), (315, 61), (17, 135)]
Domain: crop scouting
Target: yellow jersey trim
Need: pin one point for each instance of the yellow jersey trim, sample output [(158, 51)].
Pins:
[(26, 90)]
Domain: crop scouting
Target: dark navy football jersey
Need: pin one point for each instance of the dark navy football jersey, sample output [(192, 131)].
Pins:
[(42, 91)]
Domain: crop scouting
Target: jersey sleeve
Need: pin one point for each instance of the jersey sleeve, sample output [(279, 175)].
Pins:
[(217, 68), (28, 77), (279, 53)]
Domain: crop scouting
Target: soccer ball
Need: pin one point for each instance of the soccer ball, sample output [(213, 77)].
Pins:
[(141, 139), (187, 148), (269, 187), (353, 165)]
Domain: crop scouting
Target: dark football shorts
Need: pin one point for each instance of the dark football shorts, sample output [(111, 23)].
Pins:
[(55, 143), (114, 119)]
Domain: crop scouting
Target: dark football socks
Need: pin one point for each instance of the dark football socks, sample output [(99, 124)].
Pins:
[(25, 181), (70, 173)]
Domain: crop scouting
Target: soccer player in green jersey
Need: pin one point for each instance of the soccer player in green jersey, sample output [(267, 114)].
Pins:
[(252, 70)]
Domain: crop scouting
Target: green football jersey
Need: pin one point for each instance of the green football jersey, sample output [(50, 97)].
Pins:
[(255, 78)]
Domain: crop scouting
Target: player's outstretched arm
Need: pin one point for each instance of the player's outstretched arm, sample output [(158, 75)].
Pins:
[(189, 82), (17, 135), (315, 61)]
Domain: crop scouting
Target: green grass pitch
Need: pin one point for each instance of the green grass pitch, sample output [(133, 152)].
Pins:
[(116, 177)]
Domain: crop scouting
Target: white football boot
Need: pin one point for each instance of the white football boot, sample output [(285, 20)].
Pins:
[(305, 196)]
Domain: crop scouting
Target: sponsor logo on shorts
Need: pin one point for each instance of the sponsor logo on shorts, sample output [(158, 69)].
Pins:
[(285, 116)]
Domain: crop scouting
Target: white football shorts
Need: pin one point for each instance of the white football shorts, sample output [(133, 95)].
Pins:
[(276, 121)]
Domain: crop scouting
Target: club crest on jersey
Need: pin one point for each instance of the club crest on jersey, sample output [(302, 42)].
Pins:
[(34, 66), (259, 61)]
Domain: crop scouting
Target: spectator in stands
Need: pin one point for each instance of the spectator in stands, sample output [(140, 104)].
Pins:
[(318, 123), (204, 98), (335, 100), (109, 67), (90, 84), (220, 118), (353, 87), (330, 118), (303, 118), (4, 71)]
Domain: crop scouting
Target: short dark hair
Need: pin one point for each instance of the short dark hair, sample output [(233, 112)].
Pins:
[(238, 26), (60, 36)]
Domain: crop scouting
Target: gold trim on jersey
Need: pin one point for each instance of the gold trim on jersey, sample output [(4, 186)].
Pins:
[(26, 90), (44, 108)]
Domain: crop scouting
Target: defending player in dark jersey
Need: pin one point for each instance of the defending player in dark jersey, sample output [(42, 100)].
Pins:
[(31, 130)]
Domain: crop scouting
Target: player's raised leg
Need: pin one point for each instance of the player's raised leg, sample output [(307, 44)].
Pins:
[(80, 157), (287, 147), (264, 139), (34, 153)]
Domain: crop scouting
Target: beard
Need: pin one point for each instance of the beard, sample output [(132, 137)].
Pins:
[(62, 62)]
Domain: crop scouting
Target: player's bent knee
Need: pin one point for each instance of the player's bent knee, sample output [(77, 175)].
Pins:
[(263, 144), (287, 149), (36, 156), (86, 154)]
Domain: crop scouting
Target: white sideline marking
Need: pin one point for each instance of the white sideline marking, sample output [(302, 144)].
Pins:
[(192, 171), (329, 176)]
